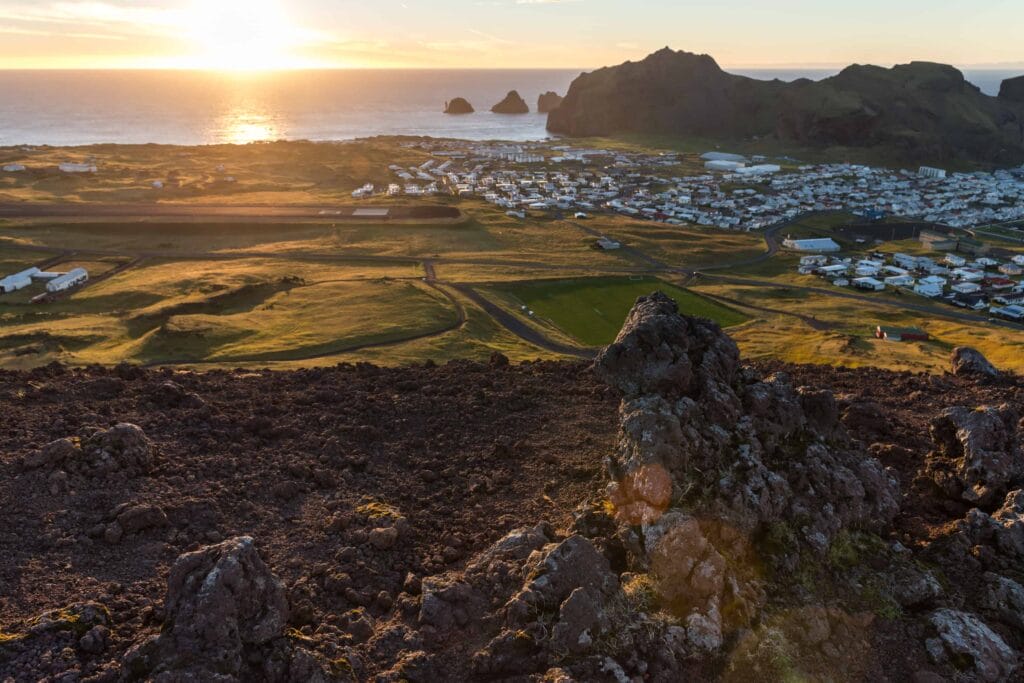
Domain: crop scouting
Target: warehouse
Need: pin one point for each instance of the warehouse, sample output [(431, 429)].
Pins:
[(13, 283), (826, 244), (68, 280), (723, 165)]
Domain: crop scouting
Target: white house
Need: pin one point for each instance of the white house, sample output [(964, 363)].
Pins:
[(1019, 259), (955, 261), (72, 278), (900, 281), (869, 284), (816, 260), (14, 168), (966, 288), (928, 289), (969, 275)]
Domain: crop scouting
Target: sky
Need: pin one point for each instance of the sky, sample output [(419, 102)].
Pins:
[(274, 34)]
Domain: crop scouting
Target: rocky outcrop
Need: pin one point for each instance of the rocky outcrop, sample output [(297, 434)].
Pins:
[(1012, 90), (966, 361), (548, 102), (1002, 532), (965, 642), (458, 106), (225, 621), (710, 454), (512, 104), (978, 455), (920, 111)]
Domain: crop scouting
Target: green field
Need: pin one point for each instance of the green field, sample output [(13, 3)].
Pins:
[(592, 310)]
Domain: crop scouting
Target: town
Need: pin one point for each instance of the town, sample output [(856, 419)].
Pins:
[(733, 191), (977, 283)]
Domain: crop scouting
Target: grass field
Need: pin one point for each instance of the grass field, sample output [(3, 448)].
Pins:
[(592, 310), (295, 293)]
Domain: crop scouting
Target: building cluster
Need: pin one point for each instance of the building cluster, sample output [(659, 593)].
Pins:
[(55, 282), (733, 192), (977, 282)]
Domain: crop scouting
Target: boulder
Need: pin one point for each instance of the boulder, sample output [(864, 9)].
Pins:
[(977, 455), (965, 642), (548, 102), (225, 619), (968, 362), (123, 447), (512, 104), (458, 106), (1005, 598)]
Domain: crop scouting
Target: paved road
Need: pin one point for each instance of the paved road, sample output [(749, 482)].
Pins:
[(198, 211), (519, 327)]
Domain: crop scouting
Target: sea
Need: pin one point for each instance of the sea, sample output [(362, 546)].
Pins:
[(65, 108)]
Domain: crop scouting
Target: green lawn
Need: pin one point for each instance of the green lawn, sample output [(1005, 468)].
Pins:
[(592, 310)]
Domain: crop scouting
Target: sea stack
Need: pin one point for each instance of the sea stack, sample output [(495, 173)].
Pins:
[(548, 102), (459, 105), (512, 104)]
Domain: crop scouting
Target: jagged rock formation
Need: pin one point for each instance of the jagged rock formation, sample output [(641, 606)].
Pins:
[(968, 361), (459, 105), (963, 639), (548, 102), (512, 104), (919, 111), (978, 454), (225, 621), (734, 453)]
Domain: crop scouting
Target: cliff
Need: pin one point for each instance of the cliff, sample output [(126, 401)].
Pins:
[(919, 111)]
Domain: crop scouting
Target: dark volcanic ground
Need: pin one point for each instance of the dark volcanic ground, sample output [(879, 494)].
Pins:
[(306, 461)]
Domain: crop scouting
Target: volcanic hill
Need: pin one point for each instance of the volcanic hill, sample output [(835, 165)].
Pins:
[(667, 513), (917, 112)]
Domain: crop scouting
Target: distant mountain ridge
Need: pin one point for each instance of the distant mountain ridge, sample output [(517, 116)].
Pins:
[(921, 111)]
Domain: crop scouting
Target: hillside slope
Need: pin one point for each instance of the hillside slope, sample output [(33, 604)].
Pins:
[(666, 514), (919, 111)]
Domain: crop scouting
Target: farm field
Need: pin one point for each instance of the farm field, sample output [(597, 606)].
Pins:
[(592, 311)]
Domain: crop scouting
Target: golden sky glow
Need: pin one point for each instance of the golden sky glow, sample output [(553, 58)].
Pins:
[(279, 34)]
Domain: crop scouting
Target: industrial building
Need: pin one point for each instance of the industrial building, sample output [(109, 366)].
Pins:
[(822, 245), (929, 172), (72, 278)]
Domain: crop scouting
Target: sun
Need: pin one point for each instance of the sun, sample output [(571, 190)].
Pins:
[(240, 35)]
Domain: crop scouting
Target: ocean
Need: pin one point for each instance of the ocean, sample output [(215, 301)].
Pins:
[(195, 108)]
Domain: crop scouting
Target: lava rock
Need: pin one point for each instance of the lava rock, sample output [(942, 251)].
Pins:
[(969, 362), (965, 640)]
